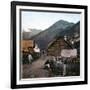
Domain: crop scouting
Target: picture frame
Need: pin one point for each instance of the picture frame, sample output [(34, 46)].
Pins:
[(21, 11)]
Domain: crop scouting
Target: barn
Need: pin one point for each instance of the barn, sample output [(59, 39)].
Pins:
[(56, 46), (27, 46)]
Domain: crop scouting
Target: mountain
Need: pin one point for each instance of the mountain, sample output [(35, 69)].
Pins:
[(46, 36), (74, 30), (29, 33), (61, 24)]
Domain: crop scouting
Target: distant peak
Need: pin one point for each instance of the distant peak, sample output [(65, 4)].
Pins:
[(61, 24), (64, 21)]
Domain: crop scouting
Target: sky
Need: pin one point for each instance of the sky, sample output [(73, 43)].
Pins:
[(43, 20)]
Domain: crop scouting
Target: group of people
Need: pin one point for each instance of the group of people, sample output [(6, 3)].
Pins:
[(55, 65)]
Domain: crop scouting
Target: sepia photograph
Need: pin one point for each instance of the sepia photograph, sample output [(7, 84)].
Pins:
[(50, 44)]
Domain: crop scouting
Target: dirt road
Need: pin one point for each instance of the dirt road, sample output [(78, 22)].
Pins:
[(35, 69)]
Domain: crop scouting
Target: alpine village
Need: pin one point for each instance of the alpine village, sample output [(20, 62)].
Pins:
[(54, 52)]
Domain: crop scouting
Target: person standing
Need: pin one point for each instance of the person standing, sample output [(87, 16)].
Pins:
[(30, 58)]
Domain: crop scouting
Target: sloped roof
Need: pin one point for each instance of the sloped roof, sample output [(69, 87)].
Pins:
[(25, 44)]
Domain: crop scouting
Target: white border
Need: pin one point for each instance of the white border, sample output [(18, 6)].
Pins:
[(54, 79)]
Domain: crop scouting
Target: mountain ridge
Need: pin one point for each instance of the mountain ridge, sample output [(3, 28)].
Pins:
[(29, 33), (46, 36)]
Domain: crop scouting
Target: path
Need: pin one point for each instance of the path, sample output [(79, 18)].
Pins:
[(35, 69)]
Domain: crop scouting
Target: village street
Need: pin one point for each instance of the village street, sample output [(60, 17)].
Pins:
[(36, 69)]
